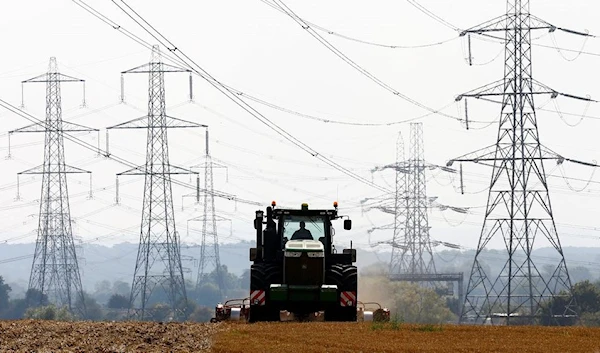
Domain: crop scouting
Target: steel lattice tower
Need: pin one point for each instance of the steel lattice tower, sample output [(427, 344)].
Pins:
[(412, 257), (518, 211), (417, 256), (159, 260), (55, 271), (400, 210), (412, 252), (209, 248)]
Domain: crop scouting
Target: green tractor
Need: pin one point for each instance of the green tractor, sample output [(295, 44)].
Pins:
[(297, 269)]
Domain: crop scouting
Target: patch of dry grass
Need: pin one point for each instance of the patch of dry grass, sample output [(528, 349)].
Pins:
[(54, 336), (393, 337)]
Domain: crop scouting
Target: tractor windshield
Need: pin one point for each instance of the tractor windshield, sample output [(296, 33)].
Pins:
[(303, 227)]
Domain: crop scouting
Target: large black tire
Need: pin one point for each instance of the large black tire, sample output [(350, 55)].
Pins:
[(346, 279), (262, 275)]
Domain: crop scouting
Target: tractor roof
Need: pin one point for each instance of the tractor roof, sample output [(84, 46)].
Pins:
[(296, 212)]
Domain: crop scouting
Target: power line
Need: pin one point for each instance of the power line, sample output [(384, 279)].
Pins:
[(218, 85), (354, 65), (233, 97), (144, 43), (354, 39), (427, 45), (332, 121), (432, 15)]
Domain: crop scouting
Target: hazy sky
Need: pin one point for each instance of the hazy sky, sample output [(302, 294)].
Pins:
[(250, 46)]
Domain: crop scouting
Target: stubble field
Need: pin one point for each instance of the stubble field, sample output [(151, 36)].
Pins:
[(390, 337), (48, 336)]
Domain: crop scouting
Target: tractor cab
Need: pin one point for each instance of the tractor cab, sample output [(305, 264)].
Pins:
[(305, 224), (293, 229)]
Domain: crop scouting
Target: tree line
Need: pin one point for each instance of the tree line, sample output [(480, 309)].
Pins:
[(111, 301), (407, 302)]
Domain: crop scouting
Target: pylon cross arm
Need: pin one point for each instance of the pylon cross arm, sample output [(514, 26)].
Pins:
[(142, 170), (147, 68), (42, 127), (67, 170), (43, 78), (501, 24), (169, 123), (490, 154), (497, 24)]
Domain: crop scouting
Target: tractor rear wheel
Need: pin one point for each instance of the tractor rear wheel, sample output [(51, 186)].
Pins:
[(346, 279), (262, 275)]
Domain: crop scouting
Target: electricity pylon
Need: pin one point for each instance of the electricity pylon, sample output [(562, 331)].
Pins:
[(397, 263), (209, 247), (55, 271), (412, 258), (417, 256), (519, 213), (159, 259), (411, 245)]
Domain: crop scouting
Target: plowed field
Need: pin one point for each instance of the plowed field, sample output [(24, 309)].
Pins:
[(48, 336), (52, 336)]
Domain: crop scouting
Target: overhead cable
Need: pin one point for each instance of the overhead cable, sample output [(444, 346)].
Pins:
[(189, 63), (354, 65), (177, 60), (383, 45)]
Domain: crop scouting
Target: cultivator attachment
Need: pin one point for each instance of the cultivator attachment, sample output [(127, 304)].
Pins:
[(372, 311), (232, 310), (238, 310)]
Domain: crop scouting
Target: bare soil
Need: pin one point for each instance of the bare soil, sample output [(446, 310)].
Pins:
[(54, 336)]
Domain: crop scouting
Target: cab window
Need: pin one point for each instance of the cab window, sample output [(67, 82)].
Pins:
[(303, 228)]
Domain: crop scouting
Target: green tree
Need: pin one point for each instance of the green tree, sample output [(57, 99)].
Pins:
[(36, 298), (587, 297), (88, 308), (414, 303), (185, 308), (161, 312), (454, 304), (118, 301), (406, 301), (122, 288), (4, 295), (49, 312), (102, 291), (208, 294), (590, 319), (232, 285), (245, 280), (16, 309)]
